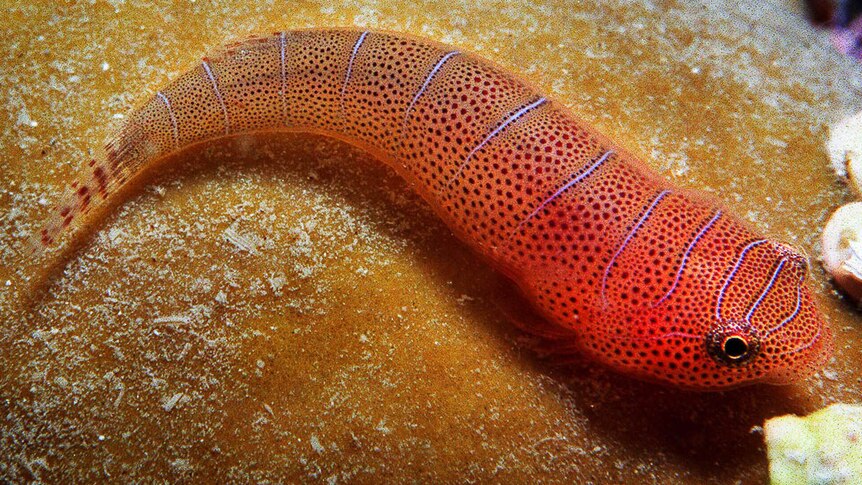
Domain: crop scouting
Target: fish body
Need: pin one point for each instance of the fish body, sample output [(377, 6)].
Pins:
[(653, 281)]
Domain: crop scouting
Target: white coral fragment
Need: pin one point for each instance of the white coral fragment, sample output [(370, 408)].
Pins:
[(845, 150), (842, 248), (821, 448), (854, 171)]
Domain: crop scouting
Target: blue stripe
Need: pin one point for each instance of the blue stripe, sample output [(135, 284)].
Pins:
[(732, 274), (283, 41), (218, 95), (167, 104), (503, 125), (765, 290), (628, 239), (584, 174), (685, 257), (428, 80), (810, 342), (352, 58), (795, 311)]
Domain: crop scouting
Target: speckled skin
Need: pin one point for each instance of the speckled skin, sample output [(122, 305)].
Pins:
[(653, 281)]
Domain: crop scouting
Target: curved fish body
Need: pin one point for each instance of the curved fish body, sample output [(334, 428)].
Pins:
[(653, 281)]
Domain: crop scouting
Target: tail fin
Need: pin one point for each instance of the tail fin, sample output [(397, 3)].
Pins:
[(123, 155)]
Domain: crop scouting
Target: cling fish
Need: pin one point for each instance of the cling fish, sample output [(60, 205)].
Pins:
[(653, 281)]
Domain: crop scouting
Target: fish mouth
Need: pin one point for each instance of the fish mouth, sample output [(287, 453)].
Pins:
[(820, 348)]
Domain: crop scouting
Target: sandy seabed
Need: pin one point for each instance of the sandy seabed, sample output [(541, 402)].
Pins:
[(283, 308)]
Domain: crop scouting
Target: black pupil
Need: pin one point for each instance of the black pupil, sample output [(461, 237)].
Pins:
[(735, 347)]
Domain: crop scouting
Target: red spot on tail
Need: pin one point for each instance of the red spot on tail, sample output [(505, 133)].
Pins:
[(113, 159), (102, 180), (46, 239)]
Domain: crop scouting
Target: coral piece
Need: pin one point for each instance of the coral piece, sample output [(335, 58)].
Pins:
[(845, 150), (842, 248), (822, 448)]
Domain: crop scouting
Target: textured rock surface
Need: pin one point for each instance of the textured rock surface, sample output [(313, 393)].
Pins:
[(822, 447), (283, 307)]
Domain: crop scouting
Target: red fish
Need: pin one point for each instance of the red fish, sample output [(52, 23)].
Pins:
[(653, 281)]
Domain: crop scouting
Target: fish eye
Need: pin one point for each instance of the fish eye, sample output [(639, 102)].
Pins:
[(733, 344), (734, 347)]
